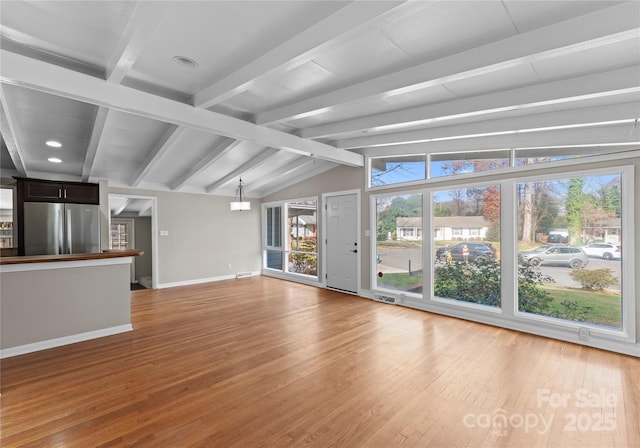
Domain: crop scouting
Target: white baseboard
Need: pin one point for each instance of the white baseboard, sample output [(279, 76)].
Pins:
[(366, 294), (293, 278), (204, 280), (65, 340)]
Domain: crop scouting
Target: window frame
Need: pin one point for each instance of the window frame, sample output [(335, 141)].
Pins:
[(374, 249), (506, 172), (284, 272), (507, 315), (627, 332)]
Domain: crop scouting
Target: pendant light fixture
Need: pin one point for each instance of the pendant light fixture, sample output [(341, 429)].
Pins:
[(239, 204)]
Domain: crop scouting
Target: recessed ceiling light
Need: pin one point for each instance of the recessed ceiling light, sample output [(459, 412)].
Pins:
[(53, 144), (185, 62), (54, 160)]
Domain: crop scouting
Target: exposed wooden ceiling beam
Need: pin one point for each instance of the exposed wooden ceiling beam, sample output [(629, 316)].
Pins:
[(159, 150), (617, 82), (258, 160), (214, 155), (143, 23), (582, 117), (285, 182), (94, 142), (613, 24), (8, 135), (122, 207), (601, 135), (26, 72), (277, 175)]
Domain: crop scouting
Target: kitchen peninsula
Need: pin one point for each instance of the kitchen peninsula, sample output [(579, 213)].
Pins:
[(52, 300)]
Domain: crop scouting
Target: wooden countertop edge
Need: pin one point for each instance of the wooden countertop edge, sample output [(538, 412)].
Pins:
[(70, 257)]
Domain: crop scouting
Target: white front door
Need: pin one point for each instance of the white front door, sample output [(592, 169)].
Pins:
[(342, 242)]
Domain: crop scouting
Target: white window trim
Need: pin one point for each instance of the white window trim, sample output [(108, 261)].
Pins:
[(507, 316), (491, 175), (284, 241), (628, 330), (373, 275)]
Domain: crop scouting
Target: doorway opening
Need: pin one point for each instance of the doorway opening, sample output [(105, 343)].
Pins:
[(133, 225)]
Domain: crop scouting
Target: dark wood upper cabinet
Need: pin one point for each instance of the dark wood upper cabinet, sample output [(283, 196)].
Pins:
[(35, 190), (82, 193)]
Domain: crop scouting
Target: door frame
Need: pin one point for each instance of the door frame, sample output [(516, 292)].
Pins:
[(154, 231), (325, 248)]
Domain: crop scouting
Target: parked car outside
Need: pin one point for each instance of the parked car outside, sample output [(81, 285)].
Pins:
[(475, 251), (571, 256), (557, 239), (603, 250)]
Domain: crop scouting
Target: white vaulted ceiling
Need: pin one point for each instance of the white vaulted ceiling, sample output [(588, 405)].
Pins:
[(284, 90)]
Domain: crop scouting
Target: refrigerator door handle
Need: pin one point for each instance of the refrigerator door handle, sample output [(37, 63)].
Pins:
[(67, 223), (60, 230)]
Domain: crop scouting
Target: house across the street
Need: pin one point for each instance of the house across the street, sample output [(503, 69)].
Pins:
[(446, 228)]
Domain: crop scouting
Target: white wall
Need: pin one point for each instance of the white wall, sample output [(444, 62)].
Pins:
[(204, 237), (341, 178)]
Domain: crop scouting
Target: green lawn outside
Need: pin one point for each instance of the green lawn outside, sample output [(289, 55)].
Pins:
[(604, 307), (401, 281), (595, 307)]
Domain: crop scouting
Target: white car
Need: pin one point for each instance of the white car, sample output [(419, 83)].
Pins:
[(603, 250)]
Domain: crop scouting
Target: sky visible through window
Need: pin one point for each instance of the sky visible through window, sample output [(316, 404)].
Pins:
[(397, 172)]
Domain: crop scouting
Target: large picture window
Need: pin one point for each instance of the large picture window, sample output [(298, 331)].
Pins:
[(302, 253), (543, 250), (466, 247), (399, 243), (570, 240), (273, 249), (291, 238)]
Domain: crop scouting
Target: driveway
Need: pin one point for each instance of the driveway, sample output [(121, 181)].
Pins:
[(396, 259), (562, 276)]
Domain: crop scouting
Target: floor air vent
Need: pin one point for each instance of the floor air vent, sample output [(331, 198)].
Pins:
[(385, 299), (244, 274)]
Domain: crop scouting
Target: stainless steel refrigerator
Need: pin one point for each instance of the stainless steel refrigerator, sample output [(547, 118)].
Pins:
[(53, 228)]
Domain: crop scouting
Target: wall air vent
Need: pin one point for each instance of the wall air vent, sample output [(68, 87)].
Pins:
[(385, 299), (244, 274)]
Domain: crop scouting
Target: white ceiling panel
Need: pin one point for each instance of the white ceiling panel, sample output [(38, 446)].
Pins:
[(533, 14), (449, 27), (310, 78), (221, 36), (229, 162), (263, 96), (367, 55), (125, 143), (305, 78), (89, 34), (188, 148), (39, 117)]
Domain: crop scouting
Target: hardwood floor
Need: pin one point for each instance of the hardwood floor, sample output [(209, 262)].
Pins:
[(263, 362)]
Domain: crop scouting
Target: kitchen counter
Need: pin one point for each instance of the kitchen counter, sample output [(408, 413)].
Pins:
[(69, 257), (53, 300)]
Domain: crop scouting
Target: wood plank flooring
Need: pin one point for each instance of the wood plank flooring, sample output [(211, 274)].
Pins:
[(260, 362)]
